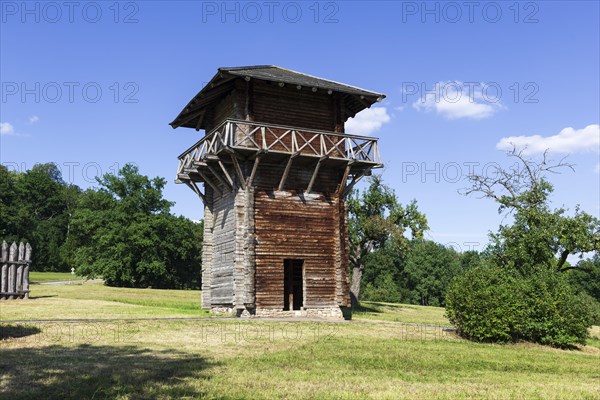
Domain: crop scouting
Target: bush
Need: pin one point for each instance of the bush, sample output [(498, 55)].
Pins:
[(497, 305), (594, 305), (556, 314), (483, 305)]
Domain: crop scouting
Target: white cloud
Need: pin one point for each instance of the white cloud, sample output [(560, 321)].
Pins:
[(456, 99), (7, 129), (33, 119), (568, 140), (367, 121)]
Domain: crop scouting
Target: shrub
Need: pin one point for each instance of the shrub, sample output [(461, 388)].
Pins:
[(556, 314), (484, 305), (594, 306), (493, 304)]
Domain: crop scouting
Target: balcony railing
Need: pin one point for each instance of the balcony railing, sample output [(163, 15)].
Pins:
[(269, 138)]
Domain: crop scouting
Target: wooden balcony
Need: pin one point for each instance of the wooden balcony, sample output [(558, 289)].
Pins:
[(248, 139)]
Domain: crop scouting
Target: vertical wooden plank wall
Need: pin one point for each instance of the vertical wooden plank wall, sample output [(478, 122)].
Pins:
[(223, 248), (207, 250), (244, 248)]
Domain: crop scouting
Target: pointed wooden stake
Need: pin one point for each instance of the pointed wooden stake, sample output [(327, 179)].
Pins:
[(12, 270), (4, 272)]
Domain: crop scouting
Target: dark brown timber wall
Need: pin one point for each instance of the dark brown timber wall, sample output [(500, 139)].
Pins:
[(309, 227), (292, 107)]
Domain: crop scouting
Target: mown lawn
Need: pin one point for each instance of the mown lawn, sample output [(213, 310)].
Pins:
[(52, 277), (401, 313), (91, 300), (258, 359)]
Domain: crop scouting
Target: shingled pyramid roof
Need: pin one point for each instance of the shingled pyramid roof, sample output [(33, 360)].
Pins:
[(221, 84)]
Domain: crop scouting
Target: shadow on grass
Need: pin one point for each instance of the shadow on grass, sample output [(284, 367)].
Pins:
[(42, 297), (377, 307), (366, 308), (100, 372), (9, 331)]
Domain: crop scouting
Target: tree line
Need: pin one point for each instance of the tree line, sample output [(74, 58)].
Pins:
[(521, 286), (122, 229)]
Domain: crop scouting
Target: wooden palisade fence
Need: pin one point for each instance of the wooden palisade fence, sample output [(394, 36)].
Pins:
[(14, 276)]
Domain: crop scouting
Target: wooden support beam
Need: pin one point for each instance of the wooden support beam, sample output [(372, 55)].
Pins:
[(182, 178), (338, 122), (218, 176), (238, 170), (344, 178), (199, 164), (263, 144), (209, 181), (213, 93), (249, 100), (201, 119), (250, 180), (190, 117), (313, 178), (286, 171), (355, 180), (344, 113), (223, 81), (226, 173), (195, 188), (363, 101), (350, 186)]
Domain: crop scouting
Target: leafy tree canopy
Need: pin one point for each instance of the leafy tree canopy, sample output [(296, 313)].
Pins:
[(35, 207), (124, 233), (540, 237), (430, 268)]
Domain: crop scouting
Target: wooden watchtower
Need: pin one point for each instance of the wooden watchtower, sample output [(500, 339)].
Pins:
[(276, 165)]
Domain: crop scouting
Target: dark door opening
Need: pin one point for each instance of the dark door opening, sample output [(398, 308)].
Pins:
[(293, 282)]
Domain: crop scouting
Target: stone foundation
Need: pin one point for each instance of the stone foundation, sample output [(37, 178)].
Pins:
[(222, 310), (323, 313)]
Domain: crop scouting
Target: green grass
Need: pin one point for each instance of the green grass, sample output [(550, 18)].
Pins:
[(258, 359), (52, 276), (93, 300), (401, 313), (594, 339)]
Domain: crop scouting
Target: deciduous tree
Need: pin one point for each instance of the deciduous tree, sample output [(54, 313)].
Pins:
[(539, 236), (125, 233), (376, 216)]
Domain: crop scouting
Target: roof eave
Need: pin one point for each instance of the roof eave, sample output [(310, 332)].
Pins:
[(367, 97)]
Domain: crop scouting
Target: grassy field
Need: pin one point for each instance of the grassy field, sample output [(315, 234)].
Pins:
[(52, 276), (401, 313), (93, 300), (379, 354)]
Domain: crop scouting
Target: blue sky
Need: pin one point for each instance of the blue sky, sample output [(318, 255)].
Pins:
[(93, 85)]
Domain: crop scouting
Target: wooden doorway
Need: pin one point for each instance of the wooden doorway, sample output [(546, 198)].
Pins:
[(293, 284)]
